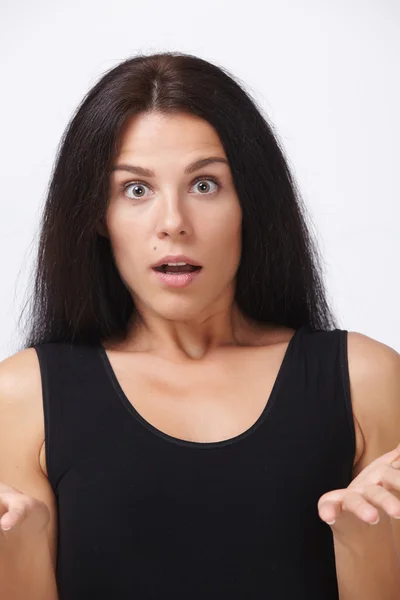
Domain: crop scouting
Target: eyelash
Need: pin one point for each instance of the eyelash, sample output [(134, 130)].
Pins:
[(212, 178)]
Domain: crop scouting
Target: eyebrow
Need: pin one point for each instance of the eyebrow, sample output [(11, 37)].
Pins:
[(195, 166)]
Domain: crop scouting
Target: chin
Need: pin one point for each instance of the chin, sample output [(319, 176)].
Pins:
[(178, 315), (180, 310)]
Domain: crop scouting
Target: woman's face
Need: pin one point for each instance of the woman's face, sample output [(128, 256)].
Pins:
[(170, 212)]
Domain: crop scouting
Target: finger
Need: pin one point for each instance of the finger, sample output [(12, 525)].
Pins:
[(3, 508), (382, 498), (330, 511), (330, 505), (390, 478), (14, 511), (391, 481), (12, 518), (355, 503)]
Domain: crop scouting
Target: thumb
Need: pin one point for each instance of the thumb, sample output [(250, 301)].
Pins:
[(395, 460), (11, 518)]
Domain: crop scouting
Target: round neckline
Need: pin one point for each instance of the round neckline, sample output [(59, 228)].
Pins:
[(190, 443)]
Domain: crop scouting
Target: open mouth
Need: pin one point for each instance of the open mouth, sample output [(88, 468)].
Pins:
[(177, 269)]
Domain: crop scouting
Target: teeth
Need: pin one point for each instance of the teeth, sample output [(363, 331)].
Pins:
[(176, 264)]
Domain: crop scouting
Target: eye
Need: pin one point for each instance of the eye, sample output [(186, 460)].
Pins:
[(137, 187), (204, 189), (205, 181)]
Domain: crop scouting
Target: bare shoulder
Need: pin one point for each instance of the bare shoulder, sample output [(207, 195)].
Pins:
[(22, 430), (18, 373), (21, 396), (374, 372)]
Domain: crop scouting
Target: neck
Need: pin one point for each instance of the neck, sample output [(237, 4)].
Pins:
[(192, 339)]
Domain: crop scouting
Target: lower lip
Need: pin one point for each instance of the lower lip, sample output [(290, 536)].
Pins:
[(177, 280)]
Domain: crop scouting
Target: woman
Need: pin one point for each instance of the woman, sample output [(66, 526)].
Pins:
[(185, 419)]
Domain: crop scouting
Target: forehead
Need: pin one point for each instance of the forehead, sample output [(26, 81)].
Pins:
[(149, 133)]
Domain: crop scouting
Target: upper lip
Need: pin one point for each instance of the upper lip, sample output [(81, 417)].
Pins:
[(175, 259)]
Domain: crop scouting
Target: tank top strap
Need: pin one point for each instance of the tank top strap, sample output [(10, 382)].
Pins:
[(74, 406), (316, 392)]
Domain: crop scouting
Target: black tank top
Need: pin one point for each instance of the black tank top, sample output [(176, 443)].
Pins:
[(144, 515)]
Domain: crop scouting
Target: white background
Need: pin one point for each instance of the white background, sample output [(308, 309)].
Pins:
[(325, 71)]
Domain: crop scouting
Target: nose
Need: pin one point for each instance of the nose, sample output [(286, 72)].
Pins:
[(172, 219)]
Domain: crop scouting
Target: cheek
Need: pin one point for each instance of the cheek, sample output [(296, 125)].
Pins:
[(126, 244), (122, 229), (223, 241), (225, 227)]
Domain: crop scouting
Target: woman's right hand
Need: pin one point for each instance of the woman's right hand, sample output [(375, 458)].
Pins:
[(21, 514)]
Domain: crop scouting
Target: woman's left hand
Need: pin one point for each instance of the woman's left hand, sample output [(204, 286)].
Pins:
[(368, 494)]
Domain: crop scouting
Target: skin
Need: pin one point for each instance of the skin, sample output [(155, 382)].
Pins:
[(193, 343), (172, 215), (190, 341)]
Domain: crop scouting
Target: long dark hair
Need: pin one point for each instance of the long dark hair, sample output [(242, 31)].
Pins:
[(78, 295)]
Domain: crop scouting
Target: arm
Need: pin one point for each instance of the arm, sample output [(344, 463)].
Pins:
[(368, 556), (27, 559)]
